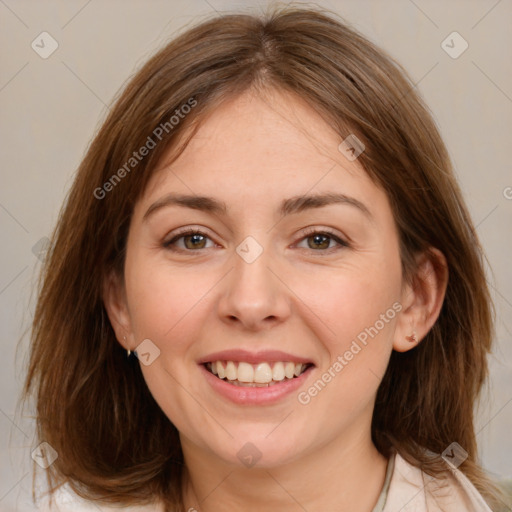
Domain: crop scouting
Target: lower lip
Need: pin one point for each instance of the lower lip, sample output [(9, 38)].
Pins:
[(245, 395)]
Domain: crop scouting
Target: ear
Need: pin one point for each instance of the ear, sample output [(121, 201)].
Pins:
[(114, 299), (421, 300)]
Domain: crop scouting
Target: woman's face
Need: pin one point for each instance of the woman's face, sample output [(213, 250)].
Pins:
[(295, 259)]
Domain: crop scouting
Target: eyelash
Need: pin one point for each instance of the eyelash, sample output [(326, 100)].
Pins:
[(309, 232)]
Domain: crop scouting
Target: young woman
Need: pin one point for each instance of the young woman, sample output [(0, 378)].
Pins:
[(265, 291)]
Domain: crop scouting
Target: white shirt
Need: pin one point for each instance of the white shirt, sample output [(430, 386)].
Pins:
[(406, 489), (412, 490)]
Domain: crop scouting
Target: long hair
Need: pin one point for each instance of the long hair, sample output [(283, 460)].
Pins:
[(93, 406)]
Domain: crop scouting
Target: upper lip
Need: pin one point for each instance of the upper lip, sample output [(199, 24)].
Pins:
[(261, 356)]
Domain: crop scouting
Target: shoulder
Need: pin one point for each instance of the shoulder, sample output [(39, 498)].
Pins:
[(65, 500), (412, 490)]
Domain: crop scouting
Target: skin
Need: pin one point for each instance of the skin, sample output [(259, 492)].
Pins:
[(295, 297)]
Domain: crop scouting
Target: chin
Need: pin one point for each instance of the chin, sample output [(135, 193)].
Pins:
[(259, 449)]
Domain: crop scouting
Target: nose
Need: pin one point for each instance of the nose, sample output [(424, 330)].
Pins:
[(253, 296)]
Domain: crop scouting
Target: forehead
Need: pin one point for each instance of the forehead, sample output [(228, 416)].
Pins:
[(262, 148)]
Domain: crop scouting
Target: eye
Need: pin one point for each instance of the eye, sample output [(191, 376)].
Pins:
[(320, 240), (193, 239)]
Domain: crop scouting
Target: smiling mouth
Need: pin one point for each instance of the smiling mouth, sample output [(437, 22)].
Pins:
[(239, 373)]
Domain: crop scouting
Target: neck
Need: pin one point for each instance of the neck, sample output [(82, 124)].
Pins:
[(346, 474)]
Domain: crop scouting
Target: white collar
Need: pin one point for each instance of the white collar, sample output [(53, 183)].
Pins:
[(412, 490)]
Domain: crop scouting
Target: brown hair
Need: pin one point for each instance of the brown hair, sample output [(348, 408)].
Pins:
[(93, 406)]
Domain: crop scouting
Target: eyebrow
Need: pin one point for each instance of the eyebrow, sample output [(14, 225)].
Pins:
[(289, 206)]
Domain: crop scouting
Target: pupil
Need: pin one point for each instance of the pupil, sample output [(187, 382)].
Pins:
[(195, 238), (317, 239)]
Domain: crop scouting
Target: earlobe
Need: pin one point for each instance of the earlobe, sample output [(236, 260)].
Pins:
[(413, 338), (422, 300), (114, 299), (403, 343)]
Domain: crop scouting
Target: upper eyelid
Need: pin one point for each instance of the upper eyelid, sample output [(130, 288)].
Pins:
[(186, 232), (341, 240)]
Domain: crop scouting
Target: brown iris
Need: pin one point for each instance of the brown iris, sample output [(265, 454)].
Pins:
[(317, 240), (194, 239)]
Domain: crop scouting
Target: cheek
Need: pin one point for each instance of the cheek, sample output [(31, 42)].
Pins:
[(358, 308), (166, 307), (361, 315), (353, 305), (162, 301)]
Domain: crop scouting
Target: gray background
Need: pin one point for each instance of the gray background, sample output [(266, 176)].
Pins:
[(50, 109)]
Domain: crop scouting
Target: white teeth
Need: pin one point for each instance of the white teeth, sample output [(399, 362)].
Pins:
[(242, 373), (263, 373), (231, 373), (278, 371), (289, 370), (220, 370), (245, 372)]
